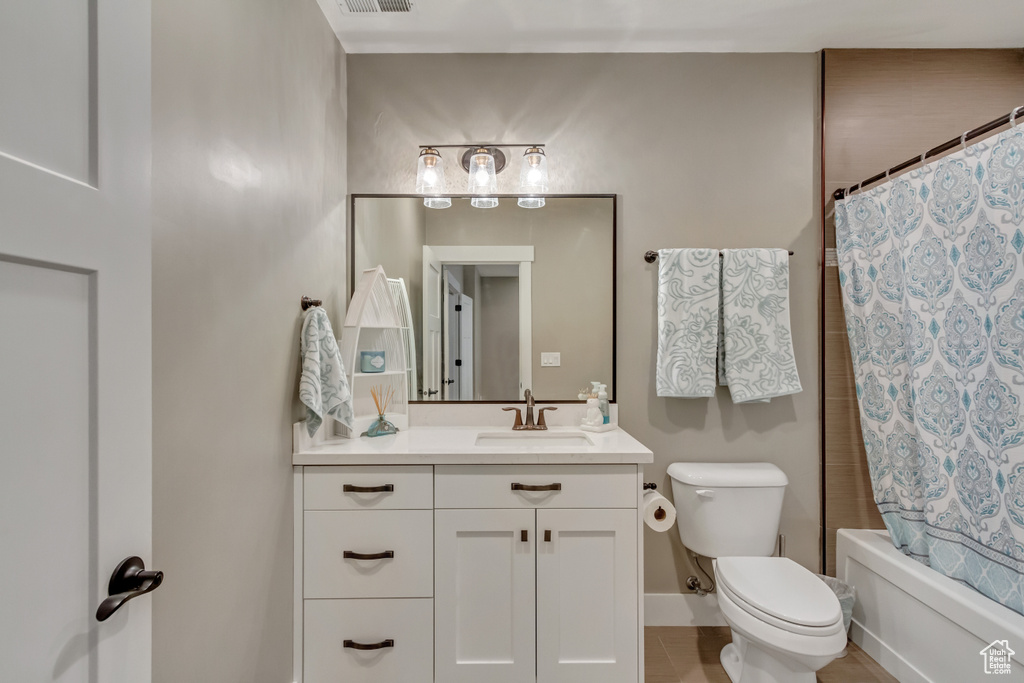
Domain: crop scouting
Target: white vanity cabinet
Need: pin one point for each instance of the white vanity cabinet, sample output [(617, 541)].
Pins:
[(545, 591), (365, 572), (417, 568)]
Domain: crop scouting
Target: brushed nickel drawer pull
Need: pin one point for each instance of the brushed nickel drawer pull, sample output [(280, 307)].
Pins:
[(352, 488), (386, 555), (369, 646), (530, 487)]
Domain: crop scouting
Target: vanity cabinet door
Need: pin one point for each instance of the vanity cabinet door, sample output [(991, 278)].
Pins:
[(484, 596), (586, 596)]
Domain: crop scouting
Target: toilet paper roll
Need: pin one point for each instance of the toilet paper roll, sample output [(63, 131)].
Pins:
[(659, 513)]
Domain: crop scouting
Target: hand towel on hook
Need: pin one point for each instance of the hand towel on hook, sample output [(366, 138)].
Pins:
[(758, 351), (688, 296), (323, 385)]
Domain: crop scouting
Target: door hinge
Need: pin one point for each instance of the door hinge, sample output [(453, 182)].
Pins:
[(458, 308), (458, 363)]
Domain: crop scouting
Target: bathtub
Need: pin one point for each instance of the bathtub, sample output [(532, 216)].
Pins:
[(917, 623)]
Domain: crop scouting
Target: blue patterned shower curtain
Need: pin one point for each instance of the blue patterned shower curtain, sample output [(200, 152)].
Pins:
[(933, 288)]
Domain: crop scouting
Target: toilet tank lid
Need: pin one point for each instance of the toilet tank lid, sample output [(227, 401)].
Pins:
[(728, 474)]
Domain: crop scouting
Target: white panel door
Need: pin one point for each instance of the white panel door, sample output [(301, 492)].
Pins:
[(466, 349), (75, 348), (484, 600), (586, 596), (432, 286)]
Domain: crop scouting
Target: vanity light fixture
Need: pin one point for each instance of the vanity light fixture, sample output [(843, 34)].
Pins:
[(533, 178), (483, 179), (430, 179), (483, 163)]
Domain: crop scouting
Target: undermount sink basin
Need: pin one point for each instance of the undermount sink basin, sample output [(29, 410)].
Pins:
[(533, 439)]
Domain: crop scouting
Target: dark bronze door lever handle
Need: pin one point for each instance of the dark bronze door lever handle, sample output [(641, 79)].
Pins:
[(129, 580)]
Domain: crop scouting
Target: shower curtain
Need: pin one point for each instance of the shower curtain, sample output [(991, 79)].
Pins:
[(933, 290)]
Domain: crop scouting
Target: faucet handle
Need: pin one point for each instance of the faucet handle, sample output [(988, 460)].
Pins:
[(519, 418), (540, 417)]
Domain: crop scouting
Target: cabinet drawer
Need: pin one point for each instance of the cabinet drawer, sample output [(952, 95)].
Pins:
[(407, 624), (338, 488), (407, 534), (571, 486)]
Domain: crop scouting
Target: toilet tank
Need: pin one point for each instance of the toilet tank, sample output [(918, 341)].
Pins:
[(728, 509)]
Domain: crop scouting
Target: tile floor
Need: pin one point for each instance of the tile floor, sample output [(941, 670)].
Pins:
[(689, 654)]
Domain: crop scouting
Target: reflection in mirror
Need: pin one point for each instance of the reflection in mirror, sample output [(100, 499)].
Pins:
[(500, 300)]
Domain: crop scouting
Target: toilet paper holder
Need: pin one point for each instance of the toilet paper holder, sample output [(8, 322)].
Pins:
[(660, 513)]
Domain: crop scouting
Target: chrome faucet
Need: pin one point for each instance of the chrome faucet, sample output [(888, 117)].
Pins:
[(540, 424)]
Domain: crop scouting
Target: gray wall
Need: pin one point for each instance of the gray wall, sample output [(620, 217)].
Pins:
[(498, 310), (716, 150), (249, 154)]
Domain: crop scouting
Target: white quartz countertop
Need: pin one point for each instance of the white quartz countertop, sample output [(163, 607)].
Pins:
[(459, 446)]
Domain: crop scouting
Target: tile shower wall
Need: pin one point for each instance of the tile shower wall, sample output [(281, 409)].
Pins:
[(882, 107), (248, 215), (704, 151)]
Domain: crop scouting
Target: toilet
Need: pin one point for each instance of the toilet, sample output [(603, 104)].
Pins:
[(786, 623)]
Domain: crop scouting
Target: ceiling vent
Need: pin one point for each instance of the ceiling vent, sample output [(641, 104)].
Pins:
[(376, 6)]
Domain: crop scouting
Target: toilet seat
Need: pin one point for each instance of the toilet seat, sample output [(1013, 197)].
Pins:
[(780, 593), (769, 620)]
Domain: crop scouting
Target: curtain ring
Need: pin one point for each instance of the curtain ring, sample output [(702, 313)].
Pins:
[(1013, 116), (963, 139), (923, 159)]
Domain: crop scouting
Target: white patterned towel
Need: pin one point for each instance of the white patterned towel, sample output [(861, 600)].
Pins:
[(759, 362), (323, 385), (688, 295)]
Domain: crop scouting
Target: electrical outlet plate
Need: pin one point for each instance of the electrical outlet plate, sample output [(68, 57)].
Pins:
[(550, 359)]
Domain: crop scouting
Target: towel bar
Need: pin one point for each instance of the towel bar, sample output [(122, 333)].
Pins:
[(652, 256)]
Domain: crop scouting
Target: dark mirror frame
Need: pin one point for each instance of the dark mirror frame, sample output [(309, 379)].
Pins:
[(351, 283)]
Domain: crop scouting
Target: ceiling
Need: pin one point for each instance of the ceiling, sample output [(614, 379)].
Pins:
[(677, 25)]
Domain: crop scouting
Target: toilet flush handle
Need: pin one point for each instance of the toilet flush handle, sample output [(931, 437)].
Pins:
[(706, 493)]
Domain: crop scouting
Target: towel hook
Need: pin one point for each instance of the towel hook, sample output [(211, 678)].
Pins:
[(308, 303)]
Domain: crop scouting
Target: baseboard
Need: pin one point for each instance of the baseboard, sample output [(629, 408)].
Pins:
[(682, 609)]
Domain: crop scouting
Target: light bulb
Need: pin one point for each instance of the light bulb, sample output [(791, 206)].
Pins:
[(533, 178), (430, 179)]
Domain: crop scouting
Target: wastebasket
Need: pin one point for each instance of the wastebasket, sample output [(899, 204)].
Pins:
[(847, 595)]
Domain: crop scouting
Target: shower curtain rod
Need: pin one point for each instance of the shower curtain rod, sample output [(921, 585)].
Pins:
[(935, 151)]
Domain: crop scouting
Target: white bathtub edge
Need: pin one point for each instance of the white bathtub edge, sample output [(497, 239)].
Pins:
[(903, 670), (952, 622)]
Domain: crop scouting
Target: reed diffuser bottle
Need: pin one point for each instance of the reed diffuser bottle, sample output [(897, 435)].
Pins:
[(382, 399)]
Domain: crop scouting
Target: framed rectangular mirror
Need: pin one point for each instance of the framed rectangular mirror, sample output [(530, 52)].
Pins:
[(510, 298)]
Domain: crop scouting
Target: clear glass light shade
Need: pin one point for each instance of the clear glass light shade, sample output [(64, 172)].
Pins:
[(430, 180), (533, 178), (483, 181)]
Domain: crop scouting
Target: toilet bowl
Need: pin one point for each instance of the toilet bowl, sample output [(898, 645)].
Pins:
[(786, 623)]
